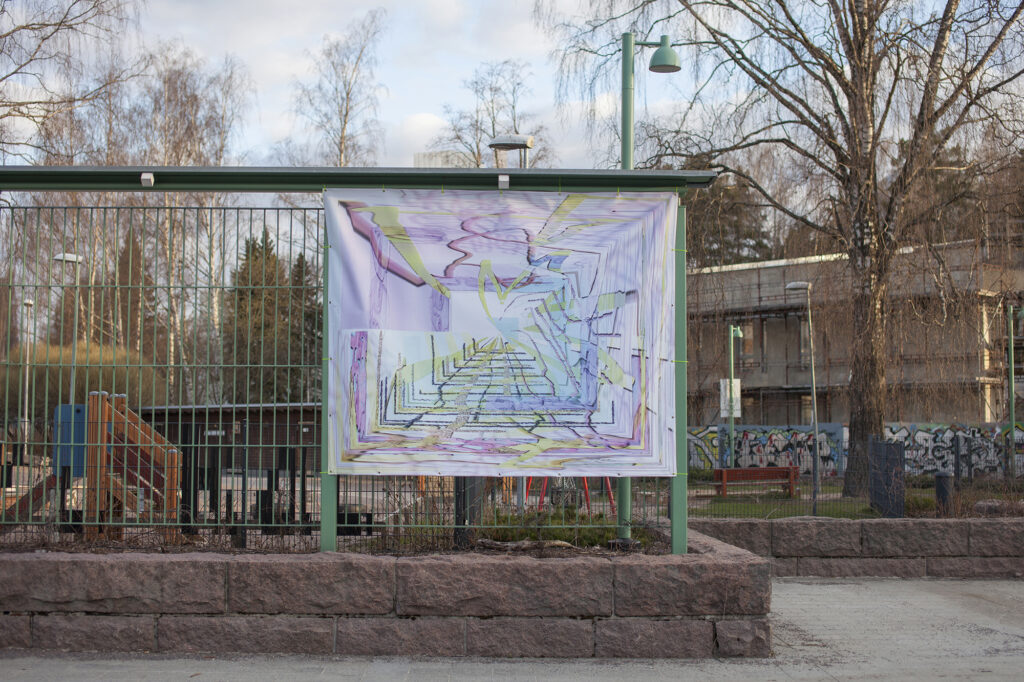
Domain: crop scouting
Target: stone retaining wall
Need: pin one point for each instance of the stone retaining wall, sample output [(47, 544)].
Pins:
[(904, 548), (711, 602)]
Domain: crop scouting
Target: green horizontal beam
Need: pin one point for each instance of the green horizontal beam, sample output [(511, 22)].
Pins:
[(237, 179)]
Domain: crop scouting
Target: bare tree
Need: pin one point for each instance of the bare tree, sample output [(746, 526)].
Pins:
[(857, 99), (498, 90), (190, 114), (43, 45), (182, 111), (340, 102)]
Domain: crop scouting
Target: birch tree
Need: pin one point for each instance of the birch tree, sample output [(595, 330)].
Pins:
[(857, 101), (498, 89), (339, 102), (43, 45)]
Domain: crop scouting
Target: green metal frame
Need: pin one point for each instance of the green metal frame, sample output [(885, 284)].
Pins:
[(275, 180), (235, 179)]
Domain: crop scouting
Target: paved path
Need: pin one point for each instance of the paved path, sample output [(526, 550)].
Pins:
[(823, 628)]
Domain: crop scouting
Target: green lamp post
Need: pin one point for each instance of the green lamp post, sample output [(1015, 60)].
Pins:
[(806, 287), (664, 60), (1011, 458), (735, 332)]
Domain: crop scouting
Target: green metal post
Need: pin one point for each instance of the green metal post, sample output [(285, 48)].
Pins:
[(732, 375), (815, 467), (328, 482), (627, 100), (1011, 463), (678, 513), (623, 486)]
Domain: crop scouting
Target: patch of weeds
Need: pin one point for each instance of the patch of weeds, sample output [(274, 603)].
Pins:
[(919, 505), (567, 524), (920, 481), (700, 475)]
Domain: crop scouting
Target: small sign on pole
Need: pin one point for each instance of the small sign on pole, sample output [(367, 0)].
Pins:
[(728, 410)]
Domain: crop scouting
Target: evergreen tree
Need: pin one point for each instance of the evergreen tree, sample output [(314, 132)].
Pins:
[(306, 324), (268, 330), (726, 223), (120, 311), (9, 304), (138, 326)]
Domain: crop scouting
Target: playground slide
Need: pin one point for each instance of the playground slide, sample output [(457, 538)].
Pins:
[(32, 502)]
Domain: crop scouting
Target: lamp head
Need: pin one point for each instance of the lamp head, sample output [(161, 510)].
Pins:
[(798, 286), (737, 332), (510, 142), (72, 258), (664, 59)]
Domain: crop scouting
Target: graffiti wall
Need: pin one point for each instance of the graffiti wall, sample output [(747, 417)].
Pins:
[(702, 447), (761, 446), (931, 448)]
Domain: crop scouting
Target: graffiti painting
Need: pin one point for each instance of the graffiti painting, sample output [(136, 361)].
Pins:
[(764, 446), (932, 448), (760, 446), (512, 333)]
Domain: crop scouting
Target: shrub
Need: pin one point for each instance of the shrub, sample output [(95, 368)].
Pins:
[(100, 368), (920, 481), (919, 505), (993, 485), (701, 475)]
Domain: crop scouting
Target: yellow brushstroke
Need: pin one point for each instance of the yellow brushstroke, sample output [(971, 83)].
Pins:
[(386, 218), (613, 371)]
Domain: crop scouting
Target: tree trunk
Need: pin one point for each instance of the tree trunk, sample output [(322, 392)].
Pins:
[(867, 376)]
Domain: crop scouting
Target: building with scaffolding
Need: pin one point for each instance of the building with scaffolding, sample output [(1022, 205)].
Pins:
[(947, 335)]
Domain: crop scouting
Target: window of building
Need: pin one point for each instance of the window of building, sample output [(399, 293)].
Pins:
[(806, 409), (805, 344), (747, 352), (751, 410), (762, 338)]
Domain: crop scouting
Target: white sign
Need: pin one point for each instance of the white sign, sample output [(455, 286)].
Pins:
[(723, 388)]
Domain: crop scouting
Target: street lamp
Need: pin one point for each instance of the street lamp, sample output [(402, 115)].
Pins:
[(1011, 463), (522, 143), (735, 332), (664, 60), (806, 286), (77, 261)]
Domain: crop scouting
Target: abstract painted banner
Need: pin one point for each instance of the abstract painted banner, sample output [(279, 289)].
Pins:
[(492, 333)]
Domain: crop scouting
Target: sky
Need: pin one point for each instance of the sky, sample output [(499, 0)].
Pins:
[(430, 48)]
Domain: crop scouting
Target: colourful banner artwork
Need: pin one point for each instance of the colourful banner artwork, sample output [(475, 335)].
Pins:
[(500, 333)]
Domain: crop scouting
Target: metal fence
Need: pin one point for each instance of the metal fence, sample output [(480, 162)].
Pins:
[(160, 379), (161, 384)]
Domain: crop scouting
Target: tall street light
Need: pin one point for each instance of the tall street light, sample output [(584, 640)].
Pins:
[(77, 261), (734, 333), (806, 286), (1011, 463), (664, 60)]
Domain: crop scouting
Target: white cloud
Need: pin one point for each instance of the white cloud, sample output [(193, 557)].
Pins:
[(413, 134), (429, 48)]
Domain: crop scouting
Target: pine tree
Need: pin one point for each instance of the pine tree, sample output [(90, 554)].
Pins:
[(305, 325), (257, 342)]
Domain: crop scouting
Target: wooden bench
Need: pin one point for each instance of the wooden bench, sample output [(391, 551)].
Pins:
[(726, 478)]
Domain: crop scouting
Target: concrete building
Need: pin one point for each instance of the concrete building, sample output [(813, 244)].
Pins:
[(947, 338), (443, 158)]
